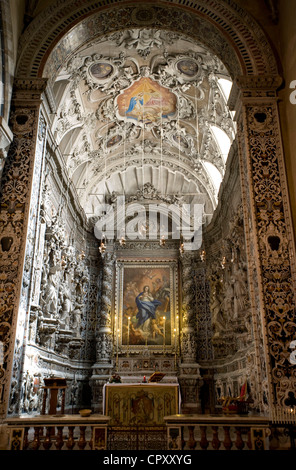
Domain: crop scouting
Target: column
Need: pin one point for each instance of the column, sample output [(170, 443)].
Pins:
[(188, 317), (269, 234), (104, 342), (189, 373), (15, 200), (105, 339)]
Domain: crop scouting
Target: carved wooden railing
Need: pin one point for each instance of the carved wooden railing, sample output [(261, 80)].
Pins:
[(209, 432), (184, 432), (68, 432)]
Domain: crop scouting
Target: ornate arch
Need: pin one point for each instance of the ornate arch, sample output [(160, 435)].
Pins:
[(225, 28)]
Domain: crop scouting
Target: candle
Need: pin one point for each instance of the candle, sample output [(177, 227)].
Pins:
[(177, 328), (128, 320), (115, 333), (197, 129), (117, 339), (175, 340), (163, 331)]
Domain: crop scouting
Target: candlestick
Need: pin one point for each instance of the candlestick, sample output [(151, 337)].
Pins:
[(197, 129), (175, 341), (163, 334), (128, 320), (117, 339), (177, 331)]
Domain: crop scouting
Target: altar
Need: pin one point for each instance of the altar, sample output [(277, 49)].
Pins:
[(142, 404)]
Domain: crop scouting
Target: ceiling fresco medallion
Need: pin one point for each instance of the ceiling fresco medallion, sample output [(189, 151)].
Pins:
[(101, 70), (188, 67), (114, 140), (146, 102)]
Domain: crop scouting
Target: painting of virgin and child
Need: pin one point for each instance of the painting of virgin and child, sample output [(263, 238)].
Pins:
[(146, 312), (145, 101)]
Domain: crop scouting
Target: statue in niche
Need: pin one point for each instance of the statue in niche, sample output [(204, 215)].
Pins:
[(77, 318), (52, 266), (14, 396), (104, 347), (74, 392), (239, 281), (30, 395), (228, 301), (218, 319), (69, 259), (216, 300), (49, 296), (65, 306)]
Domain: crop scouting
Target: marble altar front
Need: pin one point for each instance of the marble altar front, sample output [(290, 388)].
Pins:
[(142, 404)]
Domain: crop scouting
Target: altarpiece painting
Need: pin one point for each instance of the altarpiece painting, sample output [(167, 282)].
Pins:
[(146, 306)]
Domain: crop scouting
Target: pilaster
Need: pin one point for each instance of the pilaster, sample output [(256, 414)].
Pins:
[(14, 216), (270, 244), (104, 346), (189, 372)]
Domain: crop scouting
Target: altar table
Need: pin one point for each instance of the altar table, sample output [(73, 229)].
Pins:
[(143, 404)]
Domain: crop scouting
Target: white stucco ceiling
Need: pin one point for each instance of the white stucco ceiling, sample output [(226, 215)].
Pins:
[(178, 140)]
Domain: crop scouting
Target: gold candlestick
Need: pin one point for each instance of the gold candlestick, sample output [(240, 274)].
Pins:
[(164, 334), (175, 343), (177, 333), (128, 320), (117, 339)]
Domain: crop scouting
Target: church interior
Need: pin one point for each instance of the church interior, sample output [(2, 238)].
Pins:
[(147, 219)]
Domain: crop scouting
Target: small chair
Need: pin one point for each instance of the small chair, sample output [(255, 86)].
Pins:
[(236, 404)]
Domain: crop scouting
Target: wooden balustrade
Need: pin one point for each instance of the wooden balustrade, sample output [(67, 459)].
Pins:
[(184, 432), (67, 432), (204, 432)]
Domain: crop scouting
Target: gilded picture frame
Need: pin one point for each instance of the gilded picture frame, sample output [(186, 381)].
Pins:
[(146, 306)]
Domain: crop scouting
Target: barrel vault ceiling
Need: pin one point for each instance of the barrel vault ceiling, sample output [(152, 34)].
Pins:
[(143, 110)]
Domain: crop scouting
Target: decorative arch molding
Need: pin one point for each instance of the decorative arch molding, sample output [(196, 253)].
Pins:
[(225, 28), (200, 180)]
